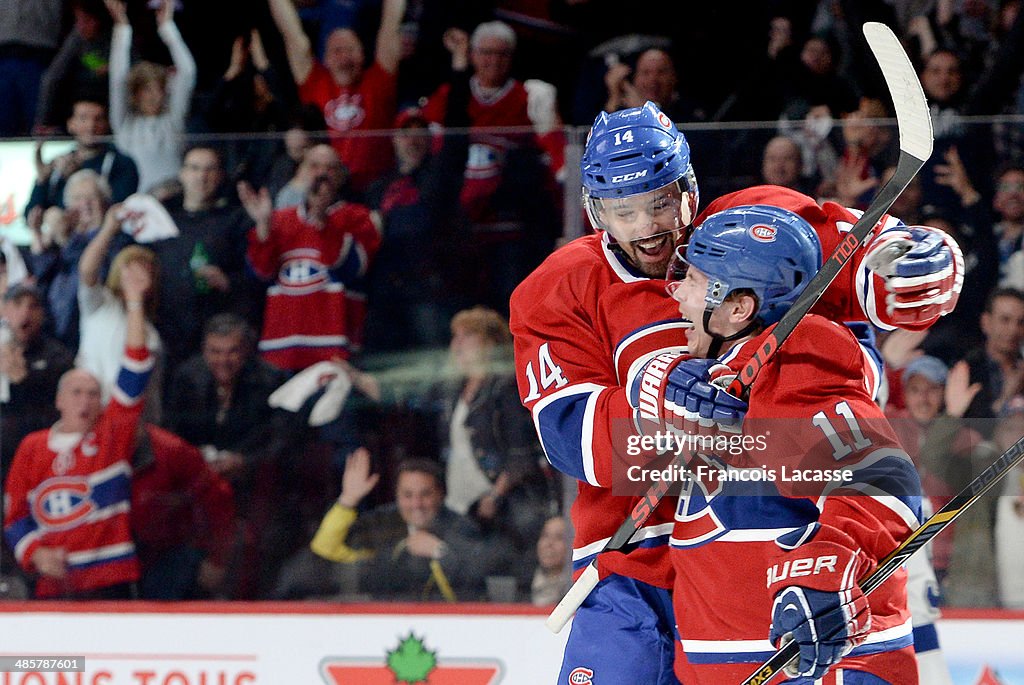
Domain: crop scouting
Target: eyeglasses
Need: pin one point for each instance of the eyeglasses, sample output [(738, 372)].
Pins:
[(1010, 187)]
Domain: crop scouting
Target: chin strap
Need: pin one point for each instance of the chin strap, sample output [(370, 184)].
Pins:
[(715, 348)]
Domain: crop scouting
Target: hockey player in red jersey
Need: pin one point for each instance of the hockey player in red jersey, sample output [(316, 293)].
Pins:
[(580, 321), (595, 311), (793, 550)]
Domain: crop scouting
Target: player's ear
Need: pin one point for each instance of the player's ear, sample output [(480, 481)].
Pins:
[(743, 307)]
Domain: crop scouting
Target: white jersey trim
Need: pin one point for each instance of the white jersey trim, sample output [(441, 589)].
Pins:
[(741, 535), (621, 271), (98, 553), (648, 330), (271, 344), (732, 646), (587, 429), (643, 534)]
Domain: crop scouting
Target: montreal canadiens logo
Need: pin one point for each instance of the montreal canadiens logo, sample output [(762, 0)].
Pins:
[(581, 676), (345, 112), (667, 123), (302, 272), (763, 233), (62, 503), (484, 161)]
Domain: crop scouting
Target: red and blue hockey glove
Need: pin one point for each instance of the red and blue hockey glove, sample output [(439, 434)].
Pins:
[(674, 391), (817, 600), (922, 269)]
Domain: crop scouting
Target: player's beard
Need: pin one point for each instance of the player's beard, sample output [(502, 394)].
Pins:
[(662, 253)]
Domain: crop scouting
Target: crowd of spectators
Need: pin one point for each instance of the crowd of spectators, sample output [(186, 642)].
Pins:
[(362, 185)]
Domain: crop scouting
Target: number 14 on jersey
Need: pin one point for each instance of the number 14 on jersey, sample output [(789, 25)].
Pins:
[(550, 374)]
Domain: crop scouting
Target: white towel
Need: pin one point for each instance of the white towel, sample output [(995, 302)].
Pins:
[(145, 219), (303, 385)]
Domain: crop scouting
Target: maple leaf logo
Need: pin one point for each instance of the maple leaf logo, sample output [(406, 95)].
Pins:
[(412, 662)]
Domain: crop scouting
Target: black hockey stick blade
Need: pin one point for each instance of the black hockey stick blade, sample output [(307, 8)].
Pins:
[(915, 134), (918, 539)]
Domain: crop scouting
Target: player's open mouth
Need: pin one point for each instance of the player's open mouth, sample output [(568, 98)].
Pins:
[(654, 245)]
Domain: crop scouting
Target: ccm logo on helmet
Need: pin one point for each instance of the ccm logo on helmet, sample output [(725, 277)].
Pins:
[(629, 177), (581, 676), (763, 233)]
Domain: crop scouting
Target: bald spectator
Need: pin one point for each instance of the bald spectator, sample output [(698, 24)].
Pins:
[(352, 95), (317, 161), (69, 490), (782, 163)]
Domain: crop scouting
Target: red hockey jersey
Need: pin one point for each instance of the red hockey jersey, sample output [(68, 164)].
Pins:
[(367, 105), (811, 414), (857, 294), (583, 319), (485, 162), (79, 499), (314, 309), (580, 321)]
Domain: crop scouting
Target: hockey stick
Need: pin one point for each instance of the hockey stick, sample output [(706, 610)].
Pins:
[(918, 539), (915, 129)]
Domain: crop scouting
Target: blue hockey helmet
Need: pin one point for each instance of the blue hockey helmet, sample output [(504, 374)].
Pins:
[(635, 151), (768, 250)]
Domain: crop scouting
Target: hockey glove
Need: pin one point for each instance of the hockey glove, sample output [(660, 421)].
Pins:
[(922, 269), (673, 391), (817, 600)]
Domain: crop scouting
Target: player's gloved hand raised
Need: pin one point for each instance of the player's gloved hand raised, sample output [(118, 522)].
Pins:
[(922, 269), (675, 391), (817, 600)]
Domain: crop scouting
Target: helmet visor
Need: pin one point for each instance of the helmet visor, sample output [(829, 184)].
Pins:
[(677, 268), (641, 216)]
